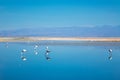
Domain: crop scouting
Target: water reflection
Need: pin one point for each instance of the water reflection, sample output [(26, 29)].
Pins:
[(47, 50), (110, 54), (23, 54), (36, 49), (23, 58), (47, 54), (35, 52)]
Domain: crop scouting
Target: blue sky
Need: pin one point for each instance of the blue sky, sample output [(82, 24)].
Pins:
[(58, 13)]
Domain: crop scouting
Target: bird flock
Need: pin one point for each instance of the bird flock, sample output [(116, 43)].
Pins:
[(24, 51), (47, 51)]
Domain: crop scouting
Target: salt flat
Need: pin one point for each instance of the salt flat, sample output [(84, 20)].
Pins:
[(32, 39)]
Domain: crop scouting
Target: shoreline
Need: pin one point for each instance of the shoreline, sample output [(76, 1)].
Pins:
[(33, 39)]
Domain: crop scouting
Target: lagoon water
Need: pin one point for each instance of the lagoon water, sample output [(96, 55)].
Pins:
[(68, 62)]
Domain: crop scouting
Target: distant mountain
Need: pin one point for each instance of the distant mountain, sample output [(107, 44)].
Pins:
[(97, 31)]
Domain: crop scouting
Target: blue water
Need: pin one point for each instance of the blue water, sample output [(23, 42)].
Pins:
[(68, 62)]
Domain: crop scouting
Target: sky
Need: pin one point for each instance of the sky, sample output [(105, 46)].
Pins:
[(58, 13)]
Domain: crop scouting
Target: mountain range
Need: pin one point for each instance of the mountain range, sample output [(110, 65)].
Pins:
[(95, 31)]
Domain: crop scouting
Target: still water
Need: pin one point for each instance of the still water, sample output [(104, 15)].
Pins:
[(67, 62)]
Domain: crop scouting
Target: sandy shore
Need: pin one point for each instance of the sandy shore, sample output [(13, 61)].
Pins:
[(32, 39)]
